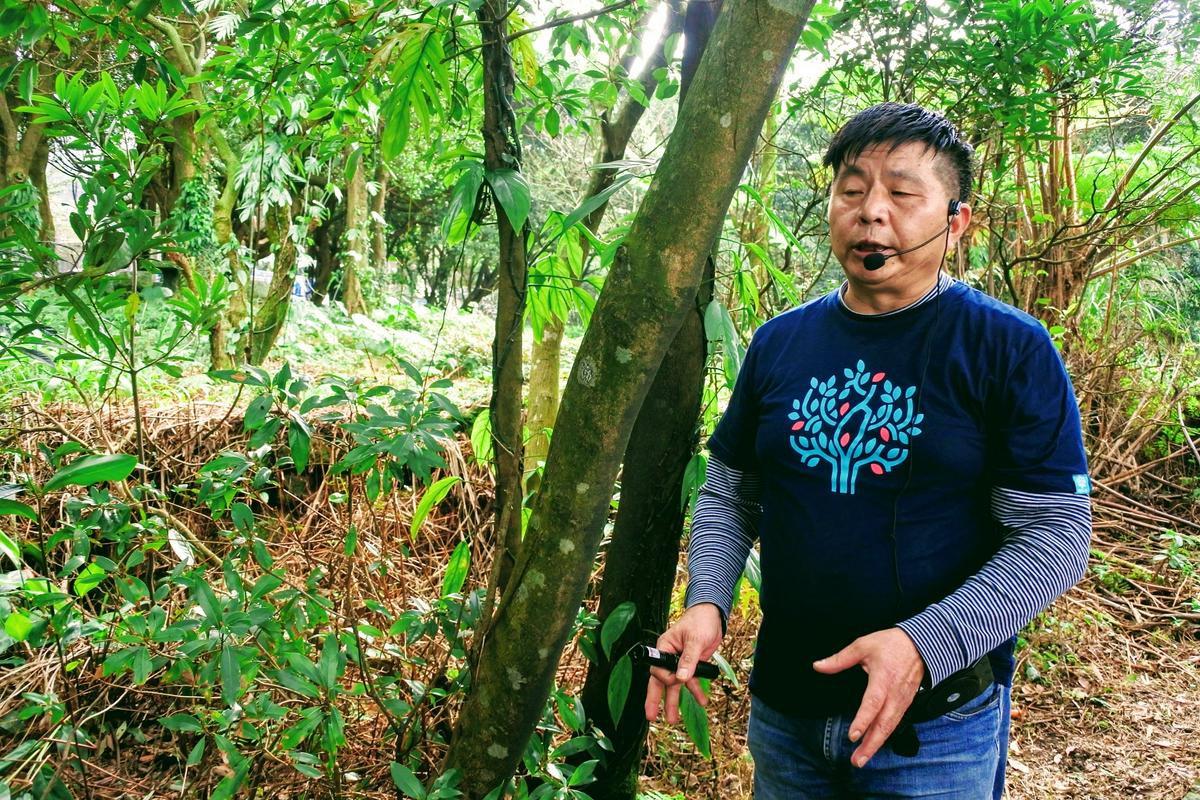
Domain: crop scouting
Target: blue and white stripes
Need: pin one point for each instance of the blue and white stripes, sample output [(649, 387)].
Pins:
[(724, 527), (1043, 554)]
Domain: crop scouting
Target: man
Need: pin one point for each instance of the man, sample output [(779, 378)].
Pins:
[(908, 452)]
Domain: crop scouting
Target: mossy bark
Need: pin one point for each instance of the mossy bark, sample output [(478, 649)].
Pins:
[(639, 566), (651, 288)]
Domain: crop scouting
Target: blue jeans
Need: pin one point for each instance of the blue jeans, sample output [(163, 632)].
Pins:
[(962, 756)]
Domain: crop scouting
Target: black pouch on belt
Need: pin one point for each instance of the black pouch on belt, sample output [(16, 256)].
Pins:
[(954, 692)]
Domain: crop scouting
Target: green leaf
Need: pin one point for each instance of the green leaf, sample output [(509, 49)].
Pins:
[(18, 626), (231, 675), (406, 782), (481, 438), (299, 443), (197, 753), (242, 516), (512, 193), (433, 495), (10, 548), (89, 578), (619, 681), (20, 509), (695, 720), (181, 723), (595, 201), (615, 625), (457, 569), (256, 412), (90, 470), (585, 773), (328, 665)]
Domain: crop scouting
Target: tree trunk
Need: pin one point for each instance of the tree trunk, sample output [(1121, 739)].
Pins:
[(272, 314), (378, 222), (325, 238), (37, 176), (639, 566), (651, 288), (356, 241), (615, 134), (545, 363), (502, 150)]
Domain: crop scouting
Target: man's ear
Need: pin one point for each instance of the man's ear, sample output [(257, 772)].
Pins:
[(959, 222)]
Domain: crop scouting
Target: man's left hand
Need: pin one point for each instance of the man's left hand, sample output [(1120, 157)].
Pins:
[(894, 670)]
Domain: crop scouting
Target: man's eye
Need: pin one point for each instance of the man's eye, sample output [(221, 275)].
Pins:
[(852, 192)]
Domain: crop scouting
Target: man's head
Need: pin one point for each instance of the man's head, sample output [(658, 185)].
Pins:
[(896, 124), (896, 170)]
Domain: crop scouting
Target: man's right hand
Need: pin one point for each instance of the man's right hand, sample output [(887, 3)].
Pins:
[(695, 637)]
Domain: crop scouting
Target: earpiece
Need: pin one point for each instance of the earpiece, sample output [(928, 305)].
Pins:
[(953, 210)]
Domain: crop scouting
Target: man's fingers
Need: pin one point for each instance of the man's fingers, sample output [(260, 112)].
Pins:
[(843, 659), (673, 703), (654, 693), (697, 692), (872, 703), (885, 723)]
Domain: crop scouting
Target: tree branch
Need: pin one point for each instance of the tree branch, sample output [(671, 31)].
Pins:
[(554, 23)]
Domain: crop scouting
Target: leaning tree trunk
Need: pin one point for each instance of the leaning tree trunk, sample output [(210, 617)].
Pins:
[(502, 150), (639, 566), (272, 314), (615, 133), (651, 288)]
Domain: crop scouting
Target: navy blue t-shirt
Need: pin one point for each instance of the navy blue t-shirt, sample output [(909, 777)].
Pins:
[(879, 440)]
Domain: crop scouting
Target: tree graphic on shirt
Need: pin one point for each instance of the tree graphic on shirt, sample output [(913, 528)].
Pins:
[(867, 421)]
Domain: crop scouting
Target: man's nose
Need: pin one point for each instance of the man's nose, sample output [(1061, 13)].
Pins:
[(874, 206)]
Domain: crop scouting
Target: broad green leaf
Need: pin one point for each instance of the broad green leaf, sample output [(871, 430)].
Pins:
[(512, 193), (584, 774), (595, 201), (18, 626), (615, 625), (406, 782), (433, 495), (695, 720), (89, 578), (299, 443), (19, 509), (619, 681), (90, 470), (242, 516), (457, 569)]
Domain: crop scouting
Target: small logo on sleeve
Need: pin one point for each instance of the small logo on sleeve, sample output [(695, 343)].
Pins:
[(1083, 484)]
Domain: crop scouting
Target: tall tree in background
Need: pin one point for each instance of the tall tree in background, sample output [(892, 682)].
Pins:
[(650, 289), (502, 161)]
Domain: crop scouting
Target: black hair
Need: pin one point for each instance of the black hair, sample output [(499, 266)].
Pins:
[(899, 124)]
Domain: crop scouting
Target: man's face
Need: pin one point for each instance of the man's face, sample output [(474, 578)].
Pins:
[(888, 200)]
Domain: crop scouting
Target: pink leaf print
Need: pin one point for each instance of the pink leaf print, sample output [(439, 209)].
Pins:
[(845, 438), (877, 377), (799, 426), (885, 435), (842, 411), (878, 470)]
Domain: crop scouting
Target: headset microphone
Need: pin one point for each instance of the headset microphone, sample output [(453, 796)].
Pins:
[(876, 261)]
